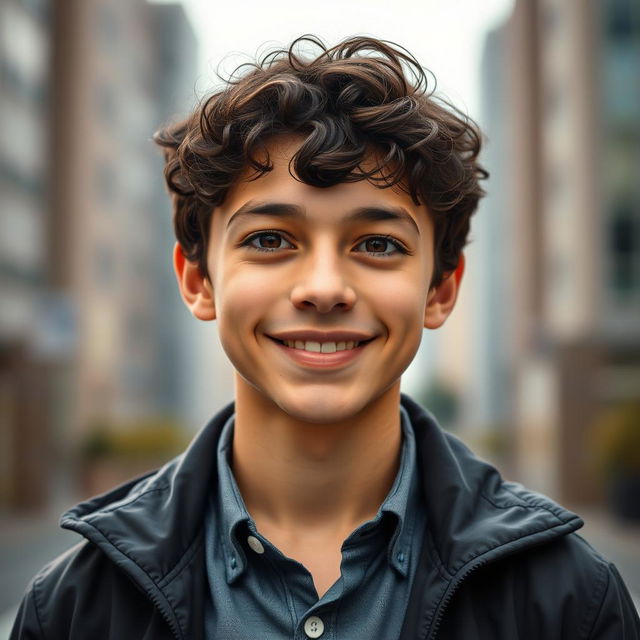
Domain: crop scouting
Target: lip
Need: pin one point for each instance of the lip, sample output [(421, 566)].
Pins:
[(313, 335), (316, 360)]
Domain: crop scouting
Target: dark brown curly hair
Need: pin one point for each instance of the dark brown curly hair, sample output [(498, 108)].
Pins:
[(364, 98)]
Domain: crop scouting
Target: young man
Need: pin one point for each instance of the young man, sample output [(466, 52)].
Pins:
[(321, 207)]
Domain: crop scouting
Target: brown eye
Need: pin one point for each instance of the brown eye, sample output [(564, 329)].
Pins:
[(269, 241), (376, 245), (380, 246)]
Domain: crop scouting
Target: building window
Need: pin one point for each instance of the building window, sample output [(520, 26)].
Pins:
[(623, 19), (624, 249)]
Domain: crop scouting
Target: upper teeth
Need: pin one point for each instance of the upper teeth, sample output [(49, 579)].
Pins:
[(321, 347)]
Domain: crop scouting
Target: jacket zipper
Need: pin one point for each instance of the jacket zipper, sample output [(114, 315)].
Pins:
[(435, 625), (455, 585), (167, 618)]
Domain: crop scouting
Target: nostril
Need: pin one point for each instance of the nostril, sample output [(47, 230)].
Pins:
[(322, 297)]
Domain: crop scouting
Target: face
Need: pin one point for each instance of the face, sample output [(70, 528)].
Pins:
[(321, 294)]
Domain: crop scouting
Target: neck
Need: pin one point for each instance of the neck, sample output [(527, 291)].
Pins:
[(297, 475)]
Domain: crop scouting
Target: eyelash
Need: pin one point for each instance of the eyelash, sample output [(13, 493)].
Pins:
[(254, 236), (398, 246)]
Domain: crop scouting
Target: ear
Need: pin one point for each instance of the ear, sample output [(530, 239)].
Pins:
[(195, 289), (442, 299)]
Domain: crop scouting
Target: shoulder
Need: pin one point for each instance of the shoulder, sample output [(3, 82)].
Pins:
[(559, 589), (76, 595), (567, 567)]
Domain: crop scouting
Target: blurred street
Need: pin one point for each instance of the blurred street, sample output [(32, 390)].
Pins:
[(27, 544), (617, 541)]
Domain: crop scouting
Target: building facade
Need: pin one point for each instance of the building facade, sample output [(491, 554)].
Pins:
[(568, 118), (88, 334)]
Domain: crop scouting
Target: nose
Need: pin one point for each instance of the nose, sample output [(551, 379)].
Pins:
[(322, 285)]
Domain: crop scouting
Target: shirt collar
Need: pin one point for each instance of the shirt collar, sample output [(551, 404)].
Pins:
[(402, 502), (229, 508)]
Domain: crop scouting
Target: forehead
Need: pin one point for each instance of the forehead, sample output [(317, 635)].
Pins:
[(334, 202)]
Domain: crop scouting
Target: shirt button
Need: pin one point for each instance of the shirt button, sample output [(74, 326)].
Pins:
[(255, 544), (314, 627)]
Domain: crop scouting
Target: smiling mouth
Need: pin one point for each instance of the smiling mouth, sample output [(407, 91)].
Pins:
[(322, 347)]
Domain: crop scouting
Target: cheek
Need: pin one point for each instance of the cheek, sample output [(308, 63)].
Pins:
[(243, 299), (402, 299)]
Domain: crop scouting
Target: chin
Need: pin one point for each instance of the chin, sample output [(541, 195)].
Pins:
[(335, 404), (322, 407)]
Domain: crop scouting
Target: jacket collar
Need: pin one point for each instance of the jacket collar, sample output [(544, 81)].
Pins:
[(474, 518), (470, 508), (152, 527)]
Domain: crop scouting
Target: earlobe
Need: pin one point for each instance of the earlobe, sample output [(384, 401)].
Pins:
[(195, 289), (442, 299)]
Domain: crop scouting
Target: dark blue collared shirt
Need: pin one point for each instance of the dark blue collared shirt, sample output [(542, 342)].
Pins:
[(258, 592)]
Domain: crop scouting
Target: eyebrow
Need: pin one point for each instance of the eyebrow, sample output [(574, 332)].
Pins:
[(361, 214), (279, 209), (378, 213)]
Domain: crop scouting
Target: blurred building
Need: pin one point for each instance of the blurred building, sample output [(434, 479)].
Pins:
[(118, 72), (90, 321), (25, 43), (562, 113), (489, 405), (194, 376)]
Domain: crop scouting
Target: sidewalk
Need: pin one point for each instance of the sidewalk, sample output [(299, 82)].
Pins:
[(27, 543)]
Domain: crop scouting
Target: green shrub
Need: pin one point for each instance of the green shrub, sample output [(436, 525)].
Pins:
[(150, 438), (616, 440)]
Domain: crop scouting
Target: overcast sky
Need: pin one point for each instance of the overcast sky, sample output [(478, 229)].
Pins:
[(446, 36)]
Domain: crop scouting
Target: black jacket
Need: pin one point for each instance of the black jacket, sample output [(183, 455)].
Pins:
[(498, 562)]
